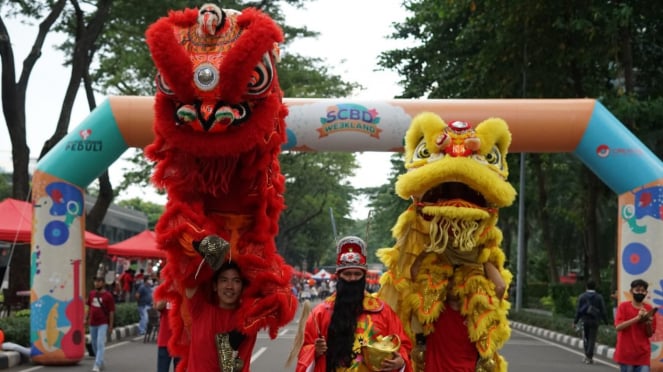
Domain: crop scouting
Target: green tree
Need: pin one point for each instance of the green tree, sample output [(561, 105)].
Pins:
[(537, 49), (385, 207), (15, 84), (152, 210), (315, 182), (85, 30), (5, 186)]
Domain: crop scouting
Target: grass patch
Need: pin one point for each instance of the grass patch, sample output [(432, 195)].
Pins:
[(561, 324)]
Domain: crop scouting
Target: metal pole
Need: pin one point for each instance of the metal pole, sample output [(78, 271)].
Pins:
[(333, 223), (520, 277)]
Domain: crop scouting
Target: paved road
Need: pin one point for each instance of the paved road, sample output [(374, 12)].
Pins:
[(524, 352)]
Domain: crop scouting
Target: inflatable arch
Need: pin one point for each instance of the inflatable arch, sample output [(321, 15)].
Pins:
[(580, 126)]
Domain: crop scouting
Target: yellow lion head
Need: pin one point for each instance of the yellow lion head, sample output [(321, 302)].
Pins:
[(456, 177)]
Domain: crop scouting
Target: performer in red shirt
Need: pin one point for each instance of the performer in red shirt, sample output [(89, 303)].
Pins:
[(635, 323), (453, 349), (337, 328), (213, 333)]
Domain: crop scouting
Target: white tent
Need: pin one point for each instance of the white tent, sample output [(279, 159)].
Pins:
[(322, 274)]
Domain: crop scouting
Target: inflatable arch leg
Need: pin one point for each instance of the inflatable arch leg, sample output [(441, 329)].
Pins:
[(580, 126)]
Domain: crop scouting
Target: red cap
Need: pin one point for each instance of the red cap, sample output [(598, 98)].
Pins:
[(350, 253)]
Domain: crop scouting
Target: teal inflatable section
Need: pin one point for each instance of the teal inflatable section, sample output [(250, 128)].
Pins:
[(615, 155), (88, 150)]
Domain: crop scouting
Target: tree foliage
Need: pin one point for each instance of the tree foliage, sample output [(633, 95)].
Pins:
[(316, 183), (5, 185), (385, 207), (152, 210), (538, 49)]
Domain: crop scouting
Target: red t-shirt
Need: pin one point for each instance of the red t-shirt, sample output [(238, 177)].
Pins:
[(164, 327), (126, 280), (207, 321), (633, 346), (449, 347), (101, 304)]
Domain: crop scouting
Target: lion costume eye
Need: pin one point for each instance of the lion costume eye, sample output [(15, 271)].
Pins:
[(494, 157), (206, 77), (421, 152), (262, 77), (163, 86)]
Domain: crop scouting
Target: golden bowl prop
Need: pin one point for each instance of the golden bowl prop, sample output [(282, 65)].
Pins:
[(384, 348)]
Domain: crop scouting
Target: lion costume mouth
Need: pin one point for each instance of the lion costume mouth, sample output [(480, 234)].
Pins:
[(451, 192), (457, 213)]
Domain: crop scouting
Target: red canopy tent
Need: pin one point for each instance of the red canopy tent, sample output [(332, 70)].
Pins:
[(141, 245), (16, 224)]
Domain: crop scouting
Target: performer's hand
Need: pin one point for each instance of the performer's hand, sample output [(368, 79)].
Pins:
[(320, 346), (393, 364), (643, 315)]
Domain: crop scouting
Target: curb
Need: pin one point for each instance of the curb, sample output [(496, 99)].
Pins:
[(575, 342), (9, 359)]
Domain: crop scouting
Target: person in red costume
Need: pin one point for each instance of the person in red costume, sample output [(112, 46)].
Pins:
[(453, 349), (213, 333), (635, 323), (337, 328)]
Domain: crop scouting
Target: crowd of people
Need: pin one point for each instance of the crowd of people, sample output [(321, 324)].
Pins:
[(336, 330), (347, 318), (311, 289)]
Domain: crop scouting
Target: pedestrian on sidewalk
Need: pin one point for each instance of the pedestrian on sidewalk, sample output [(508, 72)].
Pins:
[(144, 302), (590, 310), (100, 316), (635, 324), (164, 358)]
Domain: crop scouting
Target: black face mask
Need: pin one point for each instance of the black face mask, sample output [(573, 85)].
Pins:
[(639, 297)]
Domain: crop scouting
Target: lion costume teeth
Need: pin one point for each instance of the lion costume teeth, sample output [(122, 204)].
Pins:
[(456, 178)]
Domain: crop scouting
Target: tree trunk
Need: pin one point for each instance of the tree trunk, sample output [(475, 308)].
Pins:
[(544, 217), (591, 228), (13, 98), (84, 48)]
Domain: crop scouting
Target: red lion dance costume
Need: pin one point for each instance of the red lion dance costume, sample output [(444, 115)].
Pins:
[(219, 125)]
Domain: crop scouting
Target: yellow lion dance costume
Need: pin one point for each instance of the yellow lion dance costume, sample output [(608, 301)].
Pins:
[(456, 178)]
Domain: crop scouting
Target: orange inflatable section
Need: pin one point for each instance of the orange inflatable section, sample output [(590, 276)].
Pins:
[(537, 125)]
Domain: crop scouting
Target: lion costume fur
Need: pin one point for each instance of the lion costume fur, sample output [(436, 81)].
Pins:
[(456, 179), (219, 126)]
